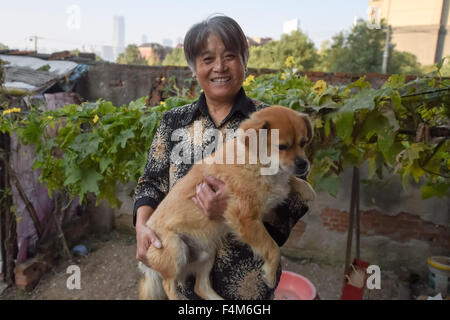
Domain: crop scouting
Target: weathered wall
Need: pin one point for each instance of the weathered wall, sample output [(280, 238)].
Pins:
[(124, 83), (399, 230)]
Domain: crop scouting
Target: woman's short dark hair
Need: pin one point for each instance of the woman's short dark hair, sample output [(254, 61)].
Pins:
[(221, 26)]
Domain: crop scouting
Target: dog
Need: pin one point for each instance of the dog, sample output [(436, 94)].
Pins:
[(190, 239)]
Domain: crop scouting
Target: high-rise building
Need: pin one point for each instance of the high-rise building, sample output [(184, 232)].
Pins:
[(107, 53), (167, 42), (118, 35), (419, 27), (144, 39), (291, 25)]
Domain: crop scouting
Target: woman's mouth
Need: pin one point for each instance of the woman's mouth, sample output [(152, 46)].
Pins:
[(220, 79)]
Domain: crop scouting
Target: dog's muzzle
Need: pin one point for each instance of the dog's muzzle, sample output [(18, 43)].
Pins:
[(301, 166)]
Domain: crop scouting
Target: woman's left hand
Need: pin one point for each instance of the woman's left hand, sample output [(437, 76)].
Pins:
[(211, 197)]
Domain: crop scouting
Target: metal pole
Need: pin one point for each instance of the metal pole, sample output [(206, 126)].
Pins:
[(350, 223), (386, 50), (357, 214)]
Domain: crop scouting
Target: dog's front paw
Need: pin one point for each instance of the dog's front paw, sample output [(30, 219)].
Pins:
[(303, 189), (269, 276), (308, 193)]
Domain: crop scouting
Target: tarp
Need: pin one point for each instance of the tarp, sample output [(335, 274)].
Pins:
[(29, 75)]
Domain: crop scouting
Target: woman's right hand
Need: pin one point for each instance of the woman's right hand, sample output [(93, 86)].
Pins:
[(145, 237)]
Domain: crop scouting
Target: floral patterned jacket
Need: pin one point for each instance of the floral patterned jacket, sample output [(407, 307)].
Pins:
[(237, 272)]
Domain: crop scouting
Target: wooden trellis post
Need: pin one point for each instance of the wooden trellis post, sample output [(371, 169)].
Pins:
[(354, 214)]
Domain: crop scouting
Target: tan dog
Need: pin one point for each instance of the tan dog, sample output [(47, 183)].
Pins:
[(190, 239)]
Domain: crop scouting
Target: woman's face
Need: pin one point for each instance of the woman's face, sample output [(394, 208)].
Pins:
[(219, 72)]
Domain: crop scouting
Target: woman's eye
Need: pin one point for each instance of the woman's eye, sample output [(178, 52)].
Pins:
[(302, 144), (282, 146), (208, 59)]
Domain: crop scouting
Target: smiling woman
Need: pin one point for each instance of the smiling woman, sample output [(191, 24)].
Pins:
[(217, 53)]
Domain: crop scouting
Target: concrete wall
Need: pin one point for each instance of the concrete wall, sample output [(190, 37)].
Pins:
[(397, 227), (399, 230), (124, 83)]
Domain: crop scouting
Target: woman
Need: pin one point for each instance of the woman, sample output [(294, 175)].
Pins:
[(217, 52)]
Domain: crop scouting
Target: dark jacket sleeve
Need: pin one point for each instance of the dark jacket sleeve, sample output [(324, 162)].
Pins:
[(285, 217), (153, 185)]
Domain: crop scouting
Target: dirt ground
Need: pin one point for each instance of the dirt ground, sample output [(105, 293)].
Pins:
[(109, 272)]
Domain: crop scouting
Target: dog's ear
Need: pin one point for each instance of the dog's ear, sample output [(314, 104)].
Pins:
[(309, 127), (252, 123), (255, 124)]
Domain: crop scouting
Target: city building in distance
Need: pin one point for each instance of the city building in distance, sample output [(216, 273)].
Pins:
[(419, 27)]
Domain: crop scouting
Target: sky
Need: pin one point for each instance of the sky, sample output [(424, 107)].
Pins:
[(71, 24)]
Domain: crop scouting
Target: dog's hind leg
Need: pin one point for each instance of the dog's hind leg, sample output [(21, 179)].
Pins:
[(150, 286), (170, 287), (169, 262), (252, 231), (203, 286)]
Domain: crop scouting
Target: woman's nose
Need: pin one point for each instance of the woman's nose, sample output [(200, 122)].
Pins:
[(220, 65)]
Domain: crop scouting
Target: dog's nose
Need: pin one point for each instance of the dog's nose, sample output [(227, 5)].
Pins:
[(301, 165)]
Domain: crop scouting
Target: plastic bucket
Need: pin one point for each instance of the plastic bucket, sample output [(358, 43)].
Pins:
[(439, 273), (293, 286)]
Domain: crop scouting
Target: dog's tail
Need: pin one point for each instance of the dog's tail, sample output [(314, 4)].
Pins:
[(150, 287)]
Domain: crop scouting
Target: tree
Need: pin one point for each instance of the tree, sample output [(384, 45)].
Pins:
[(445, 71), (402, 62), (154, 59), (131, 56), (361, 49), (273, 55), (3, 47), (175, 58)]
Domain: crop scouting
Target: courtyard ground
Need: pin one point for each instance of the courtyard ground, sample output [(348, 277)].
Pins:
[(109, 272)]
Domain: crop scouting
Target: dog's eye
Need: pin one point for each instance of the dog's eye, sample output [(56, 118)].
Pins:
[(303, 144), (282, 146)]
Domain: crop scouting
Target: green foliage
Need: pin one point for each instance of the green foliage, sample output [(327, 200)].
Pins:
[(441, 69), (356, 124), (3, 47), (175, 58), (154, 59), (45, 67), (94, 146), (89, 147), (361, 49), (131, 56), (401, 62), (274, 54)]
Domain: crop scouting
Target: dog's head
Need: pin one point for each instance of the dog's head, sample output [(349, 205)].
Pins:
[(295, 132)]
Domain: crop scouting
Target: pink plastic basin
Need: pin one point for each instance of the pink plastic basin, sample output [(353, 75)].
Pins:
[(293, 286)]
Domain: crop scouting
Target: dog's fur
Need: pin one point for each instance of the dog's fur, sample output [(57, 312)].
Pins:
[(190, 239)]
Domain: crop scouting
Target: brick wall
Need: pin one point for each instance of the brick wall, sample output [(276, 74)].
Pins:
[(124, 83), (402, 227)]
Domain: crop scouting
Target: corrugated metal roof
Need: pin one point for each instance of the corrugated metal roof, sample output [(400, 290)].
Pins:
[(26, 75)]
